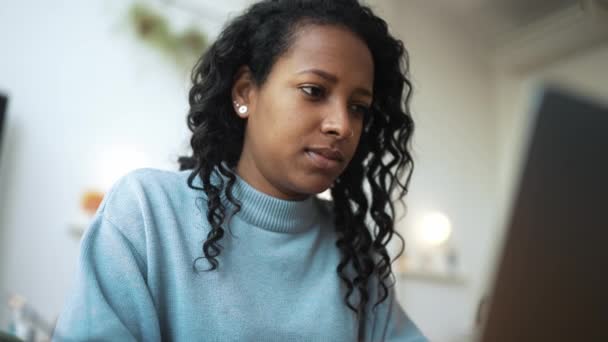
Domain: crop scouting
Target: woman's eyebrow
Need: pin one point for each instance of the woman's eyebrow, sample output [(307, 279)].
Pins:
[(330, 77), (333, 79)]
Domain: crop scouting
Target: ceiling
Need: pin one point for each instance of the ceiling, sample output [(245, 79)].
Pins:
[(525, 34), (511, 12), (492, 19)]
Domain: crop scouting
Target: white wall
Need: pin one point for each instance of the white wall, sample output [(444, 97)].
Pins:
[(455, 152), (84, 95)]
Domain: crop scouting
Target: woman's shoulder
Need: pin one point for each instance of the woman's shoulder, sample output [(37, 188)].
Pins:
[(143, 191), (141, 203), (152, 177)]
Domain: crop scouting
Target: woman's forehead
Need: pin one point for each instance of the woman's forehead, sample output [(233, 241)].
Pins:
[(333, 49)]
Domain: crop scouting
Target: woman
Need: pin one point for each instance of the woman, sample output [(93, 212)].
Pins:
[(294, 97)]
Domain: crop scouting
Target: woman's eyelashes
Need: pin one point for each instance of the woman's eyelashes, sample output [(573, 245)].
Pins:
[(313, 91), (361, 109), (317, 93)]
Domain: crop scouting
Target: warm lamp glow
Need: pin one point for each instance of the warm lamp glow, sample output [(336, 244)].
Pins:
[(434, 229)]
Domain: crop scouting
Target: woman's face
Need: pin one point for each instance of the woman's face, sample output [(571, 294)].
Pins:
[(304, 123)]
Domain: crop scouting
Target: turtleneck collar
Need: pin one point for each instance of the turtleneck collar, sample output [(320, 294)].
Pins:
[(267, 212)]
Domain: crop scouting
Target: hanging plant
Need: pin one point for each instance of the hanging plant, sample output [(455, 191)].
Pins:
[(183, 48)]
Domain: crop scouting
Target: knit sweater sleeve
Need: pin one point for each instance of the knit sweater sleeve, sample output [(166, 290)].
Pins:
[(109, 300)]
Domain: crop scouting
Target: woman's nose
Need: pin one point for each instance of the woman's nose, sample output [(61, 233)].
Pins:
[(337, 123)]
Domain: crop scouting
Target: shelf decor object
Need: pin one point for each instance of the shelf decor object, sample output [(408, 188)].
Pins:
[(434, 258), (434, 277), (89, 203), (153, 29)]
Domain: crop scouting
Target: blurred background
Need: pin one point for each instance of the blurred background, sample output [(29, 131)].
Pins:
[(95, 89)]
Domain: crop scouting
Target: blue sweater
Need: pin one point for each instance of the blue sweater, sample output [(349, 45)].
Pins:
[(276, 280)]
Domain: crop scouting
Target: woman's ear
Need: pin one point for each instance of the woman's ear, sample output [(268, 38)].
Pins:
[(243, 92)]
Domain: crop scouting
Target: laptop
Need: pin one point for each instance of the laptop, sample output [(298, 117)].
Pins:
[(551, 281)]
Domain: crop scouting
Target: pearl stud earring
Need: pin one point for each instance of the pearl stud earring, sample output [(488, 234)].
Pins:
[(242, 109)]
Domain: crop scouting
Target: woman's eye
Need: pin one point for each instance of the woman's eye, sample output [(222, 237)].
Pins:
[(361, 109), (312, 91)]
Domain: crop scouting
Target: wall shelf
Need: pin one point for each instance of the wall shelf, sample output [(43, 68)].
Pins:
[(434, 277)]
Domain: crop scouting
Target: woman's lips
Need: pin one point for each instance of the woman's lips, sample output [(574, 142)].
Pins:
[(322, 161)]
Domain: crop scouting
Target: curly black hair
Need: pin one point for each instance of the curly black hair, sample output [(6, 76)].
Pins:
[(257, 38)]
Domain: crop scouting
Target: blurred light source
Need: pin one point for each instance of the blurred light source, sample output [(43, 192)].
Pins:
[(116, 162), (433, 229)]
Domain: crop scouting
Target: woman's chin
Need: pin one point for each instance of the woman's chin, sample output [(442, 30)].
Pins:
[(315, 187)]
